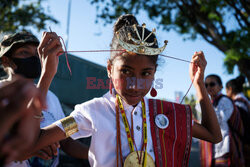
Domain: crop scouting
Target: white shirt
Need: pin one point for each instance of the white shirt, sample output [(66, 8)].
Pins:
[(97, 118), (223, 111)]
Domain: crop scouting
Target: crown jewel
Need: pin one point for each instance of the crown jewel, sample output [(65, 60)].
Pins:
[(141, 46)]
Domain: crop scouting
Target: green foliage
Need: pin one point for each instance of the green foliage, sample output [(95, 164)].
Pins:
[(223, 23), (231, 59), (20, 15)]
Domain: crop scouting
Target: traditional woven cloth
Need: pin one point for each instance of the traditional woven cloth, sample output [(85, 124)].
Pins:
[(171, 145)]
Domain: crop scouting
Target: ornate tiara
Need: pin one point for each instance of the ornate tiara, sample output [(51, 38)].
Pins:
[(141, 46)]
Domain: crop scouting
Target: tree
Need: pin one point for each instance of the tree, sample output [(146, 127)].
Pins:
[(223, 23), (20, 15)]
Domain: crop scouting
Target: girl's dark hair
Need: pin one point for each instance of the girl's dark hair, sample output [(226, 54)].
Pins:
[(217, 78), (124, 25), (236, 84)]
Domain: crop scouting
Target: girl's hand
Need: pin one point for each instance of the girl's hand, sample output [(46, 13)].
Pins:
[(197, 68), (49, 49), (48, 152)]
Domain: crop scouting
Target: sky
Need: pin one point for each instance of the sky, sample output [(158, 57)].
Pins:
[(85, 34)]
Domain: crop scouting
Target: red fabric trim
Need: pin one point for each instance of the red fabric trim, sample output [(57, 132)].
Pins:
[(189, 137), (158, 102), (153, 132)]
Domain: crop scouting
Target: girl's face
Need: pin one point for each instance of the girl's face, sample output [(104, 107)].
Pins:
[(132, 76), (213, 87)]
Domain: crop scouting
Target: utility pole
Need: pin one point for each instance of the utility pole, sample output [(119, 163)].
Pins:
[(68, 24)]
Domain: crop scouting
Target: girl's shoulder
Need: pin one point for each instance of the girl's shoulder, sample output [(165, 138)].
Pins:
[(95, 103), (92, 103), (94, 109)]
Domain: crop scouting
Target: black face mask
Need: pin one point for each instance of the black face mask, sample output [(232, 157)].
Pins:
[(28, 67)]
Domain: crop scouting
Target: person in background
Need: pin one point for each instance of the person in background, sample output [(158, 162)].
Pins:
[(234, 90), (228, 152), (19, 55)]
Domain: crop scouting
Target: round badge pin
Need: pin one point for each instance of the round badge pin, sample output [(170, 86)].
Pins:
[(161, 121)]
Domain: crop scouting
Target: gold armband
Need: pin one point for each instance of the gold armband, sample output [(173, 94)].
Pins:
[(69, 125)]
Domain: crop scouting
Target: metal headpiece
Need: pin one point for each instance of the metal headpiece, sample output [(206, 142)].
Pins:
[(141, 46)]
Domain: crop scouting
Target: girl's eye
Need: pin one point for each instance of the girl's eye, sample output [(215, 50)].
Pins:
[(146, 73), (125, 71)]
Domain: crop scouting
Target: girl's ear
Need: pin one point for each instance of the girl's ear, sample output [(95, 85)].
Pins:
[(109, 68)]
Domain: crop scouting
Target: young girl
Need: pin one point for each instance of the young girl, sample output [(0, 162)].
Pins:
[(128, 129)]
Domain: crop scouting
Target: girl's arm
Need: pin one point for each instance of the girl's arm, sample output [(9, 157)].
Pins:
[(209, 128), (74, 148)]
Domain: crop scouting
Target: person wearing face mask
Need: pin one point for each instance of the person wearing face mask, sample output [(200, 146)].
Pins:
[(228, 152), (19, 55)]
